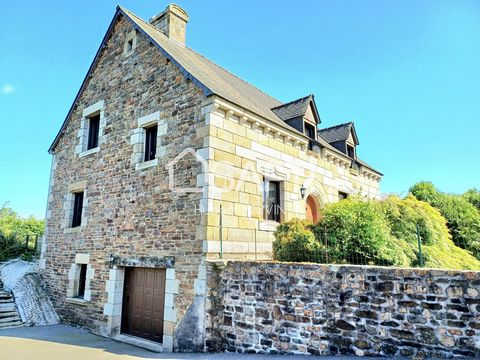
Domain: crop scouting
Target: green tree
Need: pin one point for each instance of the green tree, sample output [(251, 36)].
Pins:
[(12, 224), (463, 218), (473, 197)]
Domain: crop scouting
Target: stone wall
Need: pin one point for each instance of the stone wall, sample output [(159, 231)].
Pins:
[(281, 308), (22, 280)]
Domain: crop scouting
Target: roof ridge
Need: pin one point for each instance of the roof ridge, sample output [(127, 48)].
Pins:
[(210, 61), (291, 102)]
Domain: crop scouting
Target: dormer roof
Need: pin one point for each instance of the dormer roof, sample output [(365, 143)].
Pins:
[(338, 133), (297, 108)]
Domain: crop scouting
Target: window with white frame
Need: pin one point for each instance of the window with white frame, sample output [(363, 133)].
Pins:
[(79, 277), (75, 207), (146, 141), (130, 42), (91, 133)]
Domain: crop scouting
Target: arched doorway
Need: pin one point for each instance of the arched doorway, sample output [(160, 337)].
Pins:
[(312, 209)]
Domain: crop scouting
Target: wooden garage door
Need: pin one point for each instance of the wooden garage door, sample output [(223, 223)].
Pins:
[(143, 303)]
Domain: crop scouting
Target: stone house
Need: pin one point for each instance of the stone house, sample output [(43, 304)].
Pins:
[(166, 160)]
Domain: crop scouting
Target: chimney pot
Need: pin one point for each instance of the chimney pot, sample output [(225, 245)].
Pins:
[(172, 22)]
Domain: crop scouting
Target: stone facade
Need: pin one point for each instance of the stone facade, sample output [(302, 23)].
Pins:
[(129, 211), (280, 308), (242, 150)]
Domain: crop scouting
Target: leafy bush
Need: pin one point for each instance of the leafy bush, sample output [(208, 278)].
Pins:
[(372, 232), (294, 241), (10, 246), (357, 233), (12, 224), (437, 247), (463, 218)]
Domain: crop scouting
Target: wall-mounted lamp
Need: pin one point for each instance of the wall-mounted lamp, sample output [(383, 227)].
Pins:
[(303, 191)]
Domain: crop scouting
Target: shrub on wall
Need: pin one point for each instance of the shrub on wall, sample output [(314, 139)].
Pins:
[(463, 218), (438, 249), (357, 231), (295, 241)]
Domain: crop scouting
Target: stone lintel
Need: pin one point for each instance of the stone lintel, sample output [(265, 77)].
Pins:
[(166, 262)]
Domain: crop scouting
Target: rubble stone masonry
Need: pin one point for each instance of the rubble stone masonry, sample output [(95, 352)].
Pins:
[(128, 213), (279, 308)]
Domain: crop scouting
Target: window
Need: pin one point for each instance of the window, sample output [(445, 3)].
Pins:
[(82, 279), (271, 200), (130, 42), (93, 130), (310, 131), (342, 195), (129, 45), (77, 209), (151, 142), (351, 151)]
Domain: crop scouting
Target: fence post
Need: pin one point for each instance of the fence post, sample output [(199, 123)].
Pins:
[(27, 240), (36, 244), (326, 244), (420, 254), (221, 232)]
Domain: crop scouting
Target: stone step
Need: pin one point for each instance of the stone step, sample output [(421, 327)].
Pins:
[(13, 324), (9, 308), (8, 314), (6, 301), (10, 319)]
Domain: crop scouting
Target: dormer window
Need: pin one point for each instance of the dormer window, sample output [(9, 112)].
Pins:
[(310, 131), (351, 151)]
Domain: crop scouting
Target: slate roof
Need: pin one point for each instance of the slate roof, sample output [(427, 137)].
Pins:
[(293, 109), (213, 78), (338, 133)]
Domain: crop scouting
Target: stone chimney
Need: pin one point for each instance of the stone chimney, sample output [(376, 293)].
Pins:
[(172, 22)]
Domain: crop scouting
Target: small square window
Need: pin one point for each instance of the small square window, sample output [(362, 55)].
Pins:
[(93, 130), (130, 45), (342, 195), (82, 279), (77, 209), (151, 142)]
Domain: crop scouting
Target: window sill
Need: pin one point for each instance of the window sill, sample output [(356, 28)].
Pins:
[(268, 225), (77, 301), (146, 164), (73, 230), (89, 152)]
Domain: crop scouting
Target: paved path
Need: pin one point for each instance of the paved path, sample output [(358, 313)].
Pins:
[(61, 342)]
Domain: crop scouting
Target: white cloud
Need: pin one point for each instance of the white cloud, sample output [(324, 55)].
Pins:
[(7, 89)]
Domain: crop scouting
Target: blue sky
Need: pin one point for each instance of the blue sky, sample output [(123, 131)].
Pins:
[(407, 73)]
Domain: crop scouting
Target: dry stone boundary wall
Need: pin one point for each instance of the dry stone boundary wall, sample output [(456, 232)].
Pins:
[(279, 308)]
